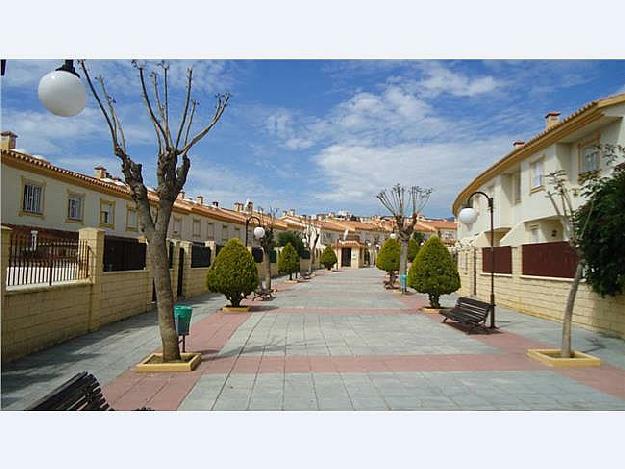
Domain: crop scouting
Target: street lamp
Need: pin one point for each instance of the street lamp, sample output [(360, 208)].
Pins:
[(393, 235), (259, 231), (467, 216), (61, 91)]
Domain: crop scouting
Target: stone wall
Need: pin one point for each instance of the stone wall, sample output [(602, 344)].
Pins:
[(125, 294), (540, 296)]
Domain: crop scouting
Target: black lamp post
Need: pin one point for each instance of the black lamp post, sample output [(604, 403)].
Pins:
[(468, 215), (256, 234)]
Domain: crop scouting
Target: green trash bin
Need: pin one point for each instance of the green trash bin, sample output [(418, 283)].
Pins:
[(182, 316)]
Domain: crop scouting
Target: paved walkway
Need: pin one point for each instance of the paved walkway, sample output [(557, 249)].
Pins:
[(337, 342)]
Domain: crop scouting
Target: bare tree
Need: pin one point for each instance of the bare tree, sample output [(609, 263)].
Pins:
[(311, 234), (574, 225), (268, 242), (173, 165), (405, 211)]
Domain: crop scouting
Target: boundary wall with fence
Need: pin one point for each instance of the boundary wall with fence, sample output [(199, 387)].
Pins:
[(535, 279)]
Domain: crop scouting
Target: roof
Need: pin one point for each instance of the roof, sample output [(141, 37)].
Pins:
[(442, 224), (112, 187), (583, 116)]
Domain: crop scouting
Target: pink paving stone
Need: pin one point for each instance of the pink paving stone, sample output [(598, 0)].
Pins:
[(121, 385), (247, 364), (271, 365), (175, 390), (606, 378), (139, 395)]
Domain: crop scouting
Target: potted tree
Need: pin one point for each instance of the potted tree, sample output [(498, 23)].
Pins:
[(388, 261), (328, 258), (288, 261), (233, 274), (434, 273)]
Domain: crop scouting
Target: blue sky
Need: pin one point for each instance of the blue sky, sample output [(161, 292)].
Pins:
[(319, 135)]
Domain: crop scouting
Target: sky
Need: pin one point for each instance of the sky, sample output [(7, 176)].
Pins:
[(319, 135)]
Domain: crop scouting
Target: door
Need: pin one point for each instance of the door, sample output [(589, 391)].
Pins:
[(346, 257), (180, 272)]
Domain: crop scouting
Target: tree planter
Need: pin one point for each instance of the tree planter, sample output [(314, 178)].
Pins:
[(551, 357), (153, 363), (291, 281), (236, 309)]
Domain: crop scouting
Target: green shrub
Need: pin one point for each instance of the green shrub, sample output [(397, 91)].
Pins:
[(233, 273), (413, 249), (293, 238), (434, 272), (328, 257), (288, 261), (388, 257), (599, 225)]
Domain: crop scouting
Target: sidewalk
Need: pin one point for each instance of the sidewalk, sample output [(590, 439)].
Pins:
[(337, 342)]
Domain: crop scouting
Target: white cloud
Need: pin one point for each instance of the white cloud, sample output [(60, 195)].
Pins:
[(357, 173), (440, 79)]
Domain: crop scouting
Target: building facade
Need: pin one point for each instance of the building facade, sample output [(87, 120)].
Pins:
[(533, 261)]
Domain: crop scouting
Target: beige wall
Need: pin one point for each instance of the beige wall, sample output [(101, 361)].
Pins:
[(125, 294), (541, 296)]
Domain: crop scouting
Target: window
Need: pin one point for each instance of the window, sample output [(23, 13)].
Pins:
[(534, 234), (237, 233), (224, 233), (74, 207), (131, 219), (197, 228), (32, 201), (537, 174), (210, 230), (107, 213), (588, 158), (177, 225), (516, 187)]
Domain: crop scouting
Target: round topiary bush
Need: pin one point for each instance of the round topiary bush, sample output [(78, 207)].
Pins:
[(388, 259), (233, 273), (288, 261), (434, 272), (328, 258)]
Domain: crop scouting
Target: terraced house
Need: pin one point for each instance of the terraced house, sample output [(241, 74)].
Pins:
[(534, 264)]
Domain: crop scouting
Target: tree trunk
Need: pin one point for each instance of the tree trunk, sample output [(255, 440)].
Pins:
[(267, 269), (164, 298), (434, 303), (403, 259), (565, 348)]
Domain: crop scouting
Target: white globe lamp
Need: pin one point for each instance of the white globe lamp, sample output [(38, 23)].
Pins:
[(468, 215), (61, 91), (393, 235), (259, 232)]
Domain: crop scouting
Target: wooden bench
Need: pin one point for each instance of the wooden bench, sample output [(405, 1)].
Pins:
[(263, 294), (82, 392), (305, 276), (468, 311)]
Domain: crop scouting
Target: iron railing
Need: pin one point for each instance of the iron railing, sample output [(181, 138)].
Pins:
[(35, 260)]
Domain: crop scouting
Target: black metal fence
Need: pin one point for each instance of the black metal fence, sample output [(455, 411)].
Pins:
[(200, 256), (36, 260), (273, 256), (122, 254)]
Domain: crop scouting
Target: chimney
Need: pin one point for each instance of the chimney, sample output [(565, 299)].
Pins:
[(551, 119), (181, 195), (284, 213), (7, 140), (518, 143), (100, 172), (215, 203), (292, 212), (249, 205), (200, 200), (238, 206)]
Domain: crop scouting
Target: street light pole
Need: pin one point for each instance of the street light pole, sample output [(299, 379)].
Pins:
[(468, 215), (247, 226)]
